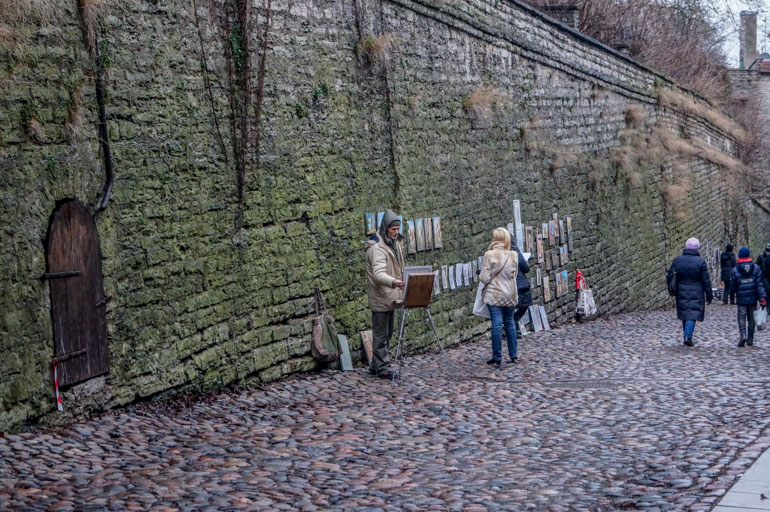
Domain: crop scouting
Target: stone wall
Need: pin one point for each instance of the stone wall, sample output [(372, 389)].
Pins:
[(213, 240)]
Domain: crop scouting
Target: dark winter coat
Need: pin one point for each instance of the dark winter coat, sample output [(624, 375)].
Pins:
[(764, 265), (727, 262), (522, 282), (746, 280), (693, 286)]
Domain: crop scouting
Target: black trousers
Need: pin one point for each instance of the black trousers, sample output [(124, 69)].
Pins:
[(727, 292)]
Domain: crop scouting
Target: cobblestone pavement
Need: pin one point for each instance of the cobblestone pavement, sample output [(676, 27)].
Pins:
[(611, 414)]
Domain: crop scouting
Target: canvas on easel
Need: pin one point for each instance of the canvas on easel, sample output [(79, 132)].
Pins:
[(418, 290)]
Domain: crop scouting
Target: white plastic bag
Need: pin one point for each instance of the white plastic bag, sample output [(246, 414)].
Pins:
[(479, 308), (760, 318)]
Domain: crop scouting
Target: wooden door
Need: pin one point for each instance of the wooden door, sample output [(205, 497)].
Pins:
[(78, 303)]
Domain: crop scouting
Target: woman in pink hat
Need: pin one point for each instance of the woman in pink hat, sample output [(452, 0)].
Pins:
[(693, 288)]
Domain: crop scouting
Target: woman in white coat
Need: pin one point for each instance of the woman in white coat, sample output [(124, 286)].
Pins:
[(498, 275)]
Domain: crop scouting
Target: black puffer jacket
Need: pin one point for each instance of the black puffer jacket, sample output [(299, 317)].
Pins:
[(522, 282), (693, 286), (747, 281), (727, 263)]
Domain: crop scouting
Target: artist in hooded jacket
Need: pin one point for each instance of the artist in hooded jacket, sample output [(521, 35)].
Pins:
[(384, 282), (498, 274), (746, 280), (693, 288)]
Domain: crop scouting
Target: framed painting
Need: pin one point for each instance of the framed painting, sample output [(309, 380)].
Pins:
[(411, 243), (538, 277), (419, 234), (380, 215), (530, 237), (551, 233), (564, 282), (370, 219), (444, 277), (556, 223), (557, 279), (562, 232), (540, 255), (436, 282), (400, 224), (555, 257), (459, 274), (546, 289), (428, 226), (569, 234), (544, 230), (438, 239)]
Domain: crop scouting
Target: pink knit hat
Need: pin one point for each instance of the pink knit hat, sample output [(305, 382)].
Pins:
[(692, 243)]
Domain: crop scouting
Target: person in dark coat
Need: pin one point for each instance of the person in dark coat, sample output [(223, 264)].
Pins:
[(693, 288), (523, 287), (746, 280), (727, 264), (763, 262)]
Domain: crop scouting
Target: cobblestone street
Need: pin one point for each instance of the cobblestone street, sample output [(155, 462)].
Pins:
[(611, 414)]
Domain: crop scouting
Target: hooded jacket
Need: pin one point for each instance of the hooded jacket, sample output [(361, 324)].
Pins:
[(500, 287), (384, 265), (692, 284), (746, 280), (726, 263)]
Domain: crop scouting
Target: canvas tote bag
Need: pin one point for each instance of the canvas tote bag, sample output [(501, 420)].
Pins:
[(324, 345), (479, 306)]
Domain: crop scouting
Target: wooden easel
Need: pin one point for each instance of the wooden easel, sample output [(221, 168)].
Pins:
[(419, 288)]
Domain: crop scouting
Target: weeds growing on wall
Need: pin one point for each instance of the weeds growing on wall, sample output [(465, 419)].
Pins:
[(481, 104), (376, 51), (688, 105), (16, 13)]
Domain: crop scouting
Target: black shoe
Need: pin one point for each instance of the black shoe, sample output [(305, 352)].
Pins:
[(390, 375), (518, 335), (371, 371), (724, 302), (732, 303), (750, 342), (688, 342), (742, 343), (514, 359), (494, 361)]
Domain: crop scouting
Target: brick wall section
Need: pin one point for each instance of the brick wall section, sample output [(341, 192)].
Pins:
[(208, 292)]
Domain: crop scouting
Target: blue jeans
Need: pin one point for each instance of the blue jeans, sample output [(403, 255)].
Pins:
[(502, 316), (689, 328)]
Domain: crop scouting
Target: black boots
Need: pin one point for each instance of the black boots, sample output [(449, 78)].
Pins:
[(742, 343), (688, 342)]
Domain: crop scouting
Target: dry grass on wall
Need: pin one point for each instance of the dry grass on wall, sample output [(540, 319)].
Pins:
[(14, 14), (482, 103), (688, 105), (91, 13), (376, 51)]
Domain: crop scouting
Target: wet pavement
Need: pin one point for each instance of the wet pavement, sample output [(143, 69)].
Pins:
[(613, 414)]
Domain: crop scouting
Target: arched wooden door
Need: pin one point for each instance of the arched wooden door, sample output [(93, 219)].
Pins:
[(73, 260)]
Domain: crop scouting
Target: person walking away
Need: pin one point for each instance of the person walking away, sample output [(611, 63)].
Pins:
[(727, 264), (498, 274), (693, 288), (746, 280), (523, 288), (384, 282), (763, 262)]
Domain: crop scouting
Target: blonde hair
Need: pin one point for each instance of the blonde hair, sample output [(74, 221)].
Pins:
[(501, 235)]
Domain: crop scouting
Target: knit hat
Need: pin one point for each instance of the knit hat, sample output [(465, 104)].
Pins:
[(729, 248), (692, 243), (767, 248), (743, 252)]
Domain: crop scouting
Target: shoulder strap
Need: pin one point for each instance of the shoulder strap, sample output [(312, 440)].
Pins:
[(499, 270)]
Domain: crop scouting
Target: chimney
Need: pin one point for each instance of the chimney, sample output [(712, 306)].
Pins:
[(748, 38)]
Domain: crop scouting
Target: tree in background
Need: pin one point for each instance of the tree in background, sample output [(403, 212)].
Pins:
[(682, 39)]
